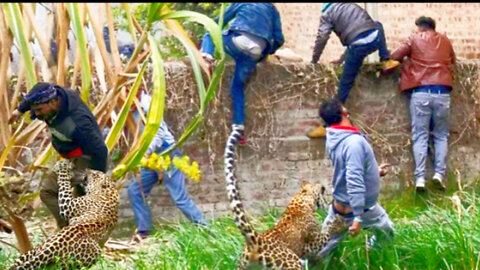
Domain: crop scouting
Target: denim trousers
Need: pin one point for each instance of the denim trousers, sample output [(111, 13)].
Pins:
[(375, 220), (244, 67), (354, 60), (174, 181), (426, 109)]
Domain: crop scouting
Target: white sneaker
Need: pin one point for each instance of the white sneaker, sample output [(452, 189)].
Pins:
[(420, 184), (438, 181)]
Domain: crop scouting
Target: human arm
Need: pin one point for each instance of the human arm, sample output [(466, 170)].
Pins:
[(23, 106), (323, 34), (158, 139), (354, 174), (402, 51)]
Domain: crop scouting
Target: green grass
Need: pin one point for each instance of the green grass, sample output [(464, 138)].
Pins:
[(429, 234)]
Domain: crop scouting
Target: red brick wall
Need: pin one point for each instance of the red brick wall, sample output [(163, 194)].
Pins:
[(460, 21)]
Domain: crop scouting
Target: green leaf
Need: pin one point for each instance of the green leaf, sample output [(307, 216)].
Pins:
[(208, 23), (73, 12), (14, 20), (154, 116), (114, 134)]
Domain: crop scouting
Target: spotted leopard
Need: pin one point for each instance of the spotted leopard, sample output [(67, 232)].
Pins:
[(91, 218), (295, 235)]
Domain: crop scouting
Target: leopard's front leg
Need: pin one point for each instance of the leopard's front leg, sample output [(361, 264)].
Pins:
[(64, 171)]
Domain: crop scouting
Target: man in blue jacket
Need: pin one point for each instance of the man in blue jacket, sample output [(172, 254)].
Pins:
[(75, 135), (254, 32), (356, 179)]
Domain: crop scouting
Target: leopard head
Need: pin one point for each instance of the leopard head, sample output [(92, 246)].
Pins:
[(337, 225), (98, 181), (317, 192), (64, 167)]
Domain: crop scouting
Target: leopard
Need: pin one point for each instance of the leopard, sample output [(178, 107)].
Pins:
[(296, 235), (91, 219)]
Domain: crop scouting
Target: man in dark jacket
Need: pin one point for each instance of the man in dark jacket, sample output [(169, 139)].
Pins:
[(360, 34), (74, 132), (427, 78), (254, 32)]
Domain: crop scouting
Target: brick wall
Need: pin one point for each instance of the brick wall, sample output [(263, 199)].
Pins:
[(282, 105), (458, 20)]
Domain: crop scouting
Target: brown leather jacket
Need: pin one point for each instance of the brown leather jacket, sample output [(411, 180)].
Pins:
[(429, 60)]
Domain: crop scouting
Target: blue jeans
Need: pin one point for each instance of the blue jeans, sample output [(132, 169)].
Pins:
[(426, 109), (354, 60), (174, 181), (244, 68), (375, 219)]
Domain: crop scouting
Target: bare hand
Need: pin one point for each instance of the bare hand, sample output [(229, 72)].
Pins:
[(355, 228), (15, 114), (383, 168)]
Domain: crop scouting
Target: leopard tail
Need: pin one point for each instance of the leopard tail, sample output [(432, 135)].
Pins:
[(236, 205)]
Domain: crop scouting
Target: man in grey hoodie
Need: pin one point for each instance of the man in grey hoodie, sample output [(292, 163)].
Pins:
[(356, 179)]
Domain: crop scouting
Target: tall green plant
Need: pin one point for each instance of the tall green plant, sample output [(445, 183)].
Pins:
[(73, 12), (154, 116), (155, 13)]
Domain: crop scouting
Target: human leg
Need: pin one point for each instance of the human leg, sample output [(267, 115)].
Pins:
[(49, 189), (387, 63), (174, 181), (244, 68), (441, 108), (335, 238), (49, 196), (353, 62), (377, 220), (420, 112), (137, 193), (382, 43)]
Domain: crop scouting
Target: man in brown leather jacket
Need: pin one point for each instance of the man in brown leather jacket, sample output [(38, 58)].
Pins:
[(427, 78)]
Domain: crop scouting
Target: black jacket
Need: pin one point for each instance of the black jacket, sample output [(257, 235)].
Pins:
[(347, 20), (75, 126)]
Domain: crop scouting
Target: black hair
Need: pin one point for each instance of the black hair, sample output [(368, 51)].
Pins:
[(425, 22), (331, 111)]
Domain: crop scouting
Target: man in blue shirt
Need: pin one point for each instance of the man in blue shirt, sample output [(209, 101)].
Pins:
[(173, 179), (254, 31), (356, 179)]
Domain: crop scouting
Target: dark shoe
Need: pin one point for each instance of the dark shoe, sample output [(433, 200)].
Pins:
[(438, 181)]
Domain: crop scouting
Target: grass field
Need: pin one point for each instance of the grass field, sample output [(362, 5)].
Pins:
[(433, 231)]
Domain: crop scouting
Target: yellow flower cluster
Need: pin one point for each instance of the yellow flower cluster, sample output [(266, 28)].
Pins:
[(191, 170), (160, 163), (156, 162)]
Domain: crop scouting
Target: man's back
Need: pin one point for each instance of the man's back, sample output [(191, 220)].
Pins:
[(429, 58), (431, 48)]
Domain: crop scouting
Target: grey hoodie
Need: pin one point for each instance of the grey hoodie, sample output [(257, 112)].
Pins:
[(356, 180)]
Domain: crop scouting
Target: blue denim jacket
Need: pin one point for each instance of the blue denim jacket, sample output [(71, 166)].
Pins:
[(259, 19)]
